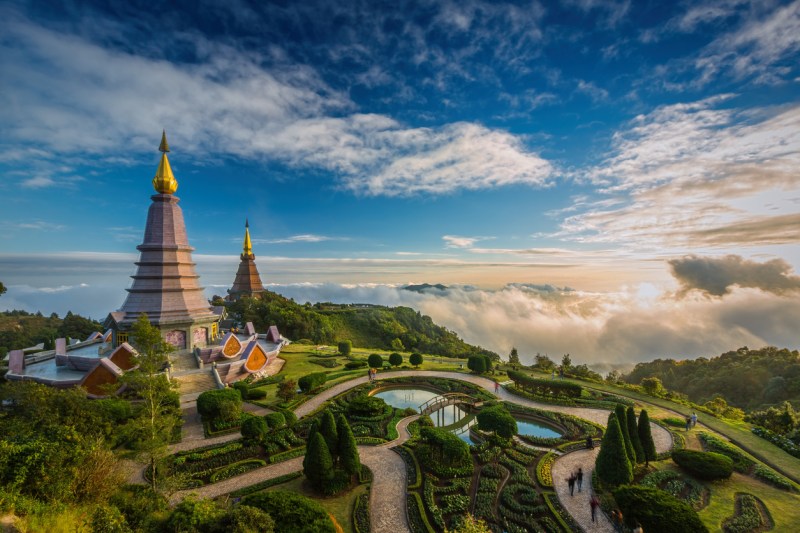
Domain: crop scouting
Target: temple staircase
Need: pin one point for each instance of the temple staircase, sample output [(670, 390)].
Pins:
[(195, 382)]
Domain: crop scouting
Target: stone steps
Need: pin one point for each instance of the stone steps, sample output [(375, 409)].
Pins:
[(196, 382), (183, 361)]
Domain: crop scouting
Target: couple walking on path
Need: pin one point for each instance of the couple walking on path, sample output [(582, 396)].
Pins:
[(576, 478)]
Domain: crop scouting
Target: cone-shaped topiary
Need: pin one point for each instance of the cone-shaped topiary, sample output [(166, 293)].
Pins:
[(348, 450), (622, 418), (633, 431), (318, 464), (327, 429), (646, 437), (313, 430), (613, 466)]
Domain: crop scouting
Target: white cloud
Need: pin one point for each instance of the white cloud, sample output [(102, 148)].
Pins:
[(69, 96), (454, 241), (298, 238)]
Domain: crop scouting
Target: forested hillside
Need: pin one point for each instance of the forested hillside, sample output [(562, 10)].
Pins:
[(748, 379), (390, 328), (20, 329)]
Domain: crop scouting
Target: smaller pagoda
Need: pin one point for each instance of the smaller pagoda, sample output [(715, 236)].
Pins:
[(247, 282)]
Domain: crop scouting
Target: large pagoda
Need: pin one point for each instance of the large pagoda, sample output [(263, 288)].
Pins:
[(247, 281), (166, 286)]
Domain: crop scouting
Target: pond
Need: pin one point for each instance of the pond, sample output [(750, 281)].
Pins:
[(403, 398)]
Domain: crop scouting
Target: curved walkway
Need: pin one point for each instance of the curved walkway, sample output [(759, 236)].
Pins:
[(389, 484)]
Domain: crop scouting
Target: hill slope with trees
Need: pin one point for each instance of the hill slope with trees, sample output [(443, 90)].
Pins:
[(20, 329), (748, 379), (373, 326)]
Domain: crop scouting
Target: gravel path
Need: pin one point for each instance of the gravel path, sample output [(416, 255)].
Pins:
[(192, 434), (389, 475)]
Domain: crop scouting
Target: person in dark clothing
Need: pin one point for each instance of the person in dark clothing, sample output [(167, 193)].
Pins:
[(571, 483), (594, 503), (589, 442), (579, 478)]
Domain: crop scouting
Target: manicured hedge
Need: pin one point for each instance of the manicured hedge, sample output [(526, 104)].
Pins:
[(656, 511), (313, 381), (704, 465), (254, 428), (360, 363), (275, 420), (545, 386)]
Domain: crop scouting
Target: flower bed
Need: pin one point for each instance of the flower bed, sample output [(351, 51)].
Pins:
[(745, 463), (413, 474), (285, 456), (751, 515), (417, 520), (544, 470), (683, 488), (361, 522), (257, 487), (236, 469), (778, 440)]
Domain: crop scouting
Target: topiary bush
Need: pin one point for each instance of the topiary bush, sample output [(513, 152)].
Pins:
[(352, 365), (256, 394), (313, 381), (497, 419), (415, 359), (366, 406), (220, 404), (395, 359), (375, 360), (656, 511), (275, 420), (704, 465), (254, 428), (292, 512)]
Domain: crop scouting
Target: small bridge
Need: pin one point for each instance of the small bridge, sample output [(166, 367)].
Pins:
[(443, 400)]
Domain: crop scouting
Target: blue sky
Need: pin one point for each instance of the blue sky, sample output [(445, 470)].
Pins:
[(582, 144)]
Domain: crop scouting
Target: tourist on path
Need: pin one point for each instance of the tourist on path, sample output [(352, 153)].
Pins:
[(571, 483), (580, 478), (496, 386), (594, 503), (688, 423), (694, 419)]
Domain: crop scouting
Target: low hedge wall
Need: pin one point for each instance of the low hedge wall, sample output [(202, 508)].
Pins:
[(236, 469), (545, 386), (251, 489), (704, 465), (656, 511)]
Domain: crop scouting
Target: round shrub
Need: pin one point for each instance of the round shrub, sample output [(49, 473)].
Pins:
[(442, 448), (345, 347), (375, 360), (313, 381), (289, 416), (704, 465), (497, 419), (292, 512), (395, 359), (366, 406), (254, 428), (656, 511), (275, 420), (256, 394), (415, 359), (223, 404)]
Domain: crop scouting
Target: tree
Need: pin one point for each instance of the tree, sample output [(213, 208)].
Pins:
[(345, 347), (220, 404), (566, 362), (653, 386), (247, 519), (415, 359), (375, 360), (477, 363), (544, 363), (395, 359), (613, 466), (195, 514), (292, 512), (397, 344), (513, 357), (497, 419), (2, 288), (622, 418), (159, 409), (348, 449), (318, 463), (646, 438), (287, 389), (633, 432), (327, 428)]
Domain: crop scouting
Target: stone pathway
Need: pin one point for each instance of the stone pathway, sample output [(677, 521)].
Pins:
[(192, 434), (389, 476)]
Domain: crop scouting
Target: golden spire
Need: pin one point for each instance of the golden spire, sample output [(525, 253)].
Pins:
[(247, 249), (164, 182)]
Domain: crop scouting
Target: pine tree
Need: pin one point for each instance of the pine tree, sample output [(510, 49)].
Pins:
[(622, 418), (633, 431), (313, 430), (327, 429), (513, 357), (318, 464), (349, 460), (613, 466), (646, 437)]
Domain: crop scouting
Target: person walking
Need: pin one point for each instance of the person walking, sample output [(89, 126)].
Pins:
[(496, 386), (638, 528), (688, 423), (580, 478), (615, 520), (571, 483), (594, 503), (694, 419), (589, 442)]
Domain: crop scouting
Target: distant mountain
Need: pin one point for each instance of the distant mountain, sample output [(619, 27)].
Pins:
[(425, 287), (20, 329), (367, 326)]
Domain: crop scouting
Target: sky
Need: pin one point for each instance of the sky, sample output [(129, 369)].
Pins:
[(617, 180)]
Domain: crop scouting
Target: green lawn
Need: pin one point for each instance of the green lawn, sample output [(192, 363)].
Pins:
[(738, 432), (341, 507)]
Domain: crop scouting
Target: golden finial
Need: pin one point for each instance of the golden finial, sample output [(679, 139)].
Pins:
[(164, 182), (247, 249)]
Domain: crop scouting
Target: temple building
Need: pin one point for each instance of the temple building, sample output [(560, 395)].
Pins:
[(166, 286), (247, 281)]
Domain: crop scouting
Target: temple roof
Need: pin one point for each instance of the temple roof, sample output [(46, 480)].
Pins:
[(248, 280), (164, 182)]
